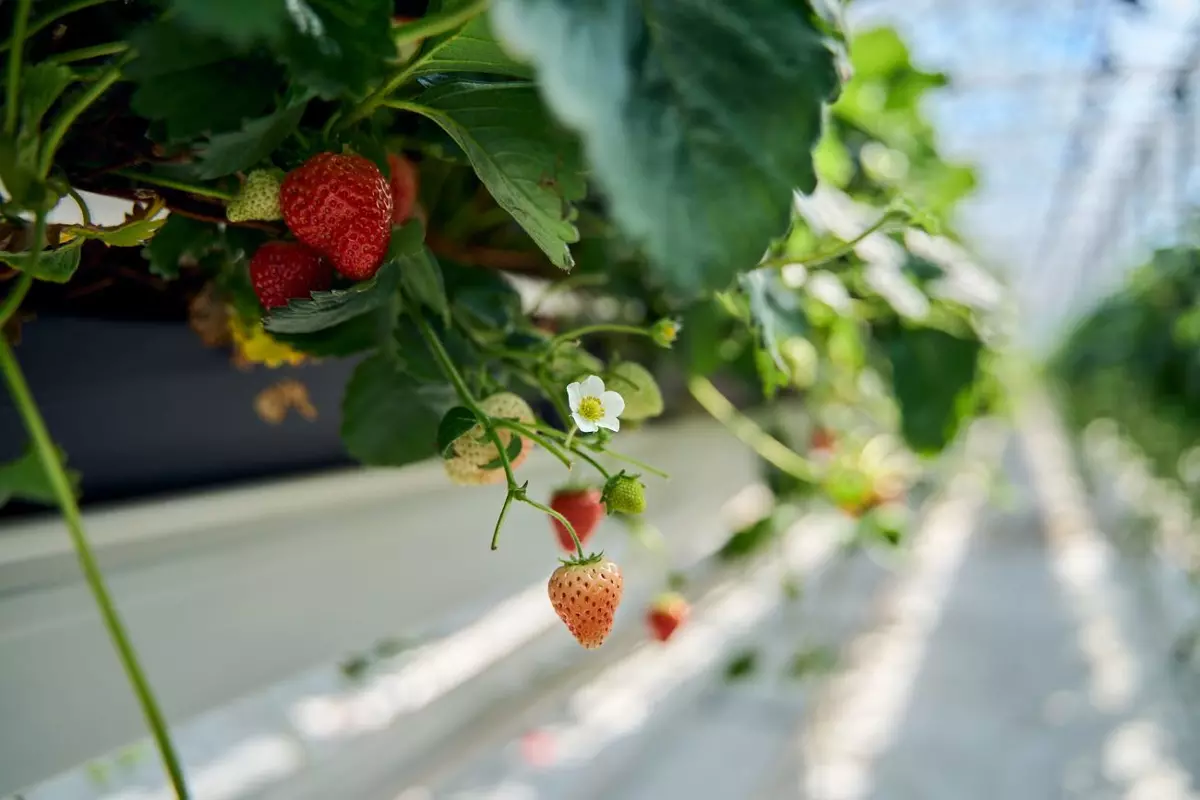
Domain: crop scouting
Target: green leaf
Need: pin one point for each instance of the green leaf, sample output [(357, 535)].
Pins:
[(181, 237), (195, 83), (933, 373), (471, 48), (481, 299), (41, 85), (357, 335), (338, 47), (775, 310), (227, 153), (457, 421), (421, 278), (129, 234), (388, 418), (327, 309), (529, 164), (238, 21), (697, 117), (56, 266), (24, 479)]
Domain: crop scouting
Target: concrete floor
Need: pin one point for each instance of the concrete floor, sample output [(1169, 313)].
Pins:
[(1005, 657)]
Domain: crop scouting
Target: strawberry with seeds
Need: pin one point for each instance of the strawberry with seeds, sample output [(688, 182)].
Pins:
[(281, 271), (668, 611), (582, 508), (585, 594), (341, 205)]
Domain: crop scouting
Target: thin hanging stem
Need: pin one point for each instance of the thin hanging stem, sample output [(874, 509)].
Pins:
[(534, 436), (636, 463), (834, 252), (423, 28), (68, 115), (750, 434), (566, 524), (13, 300), (12, 94), (50, 17), (171, 183), (61, 485), (602, 327), (84, 53)]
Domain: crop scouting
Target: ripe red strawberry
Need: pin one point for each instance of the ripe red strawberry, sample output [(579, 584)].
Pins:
[(586, 595), (582, 508), (280, 271), (666, 613), (404, 187), (823, 439), (340, 205)]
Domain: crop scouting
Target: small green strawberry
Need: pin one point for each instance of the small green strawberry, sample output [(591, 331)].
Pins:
[(624, 494), (258, 199), (643, 398)]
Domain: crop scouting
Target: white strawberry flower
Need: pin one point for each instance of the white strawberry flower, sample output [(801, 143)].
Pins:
[(592, 407)]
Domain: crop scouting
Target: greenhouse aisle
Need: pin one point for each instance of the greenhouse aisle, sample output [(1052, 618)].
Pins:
[(1003, 660), (1002, 657)]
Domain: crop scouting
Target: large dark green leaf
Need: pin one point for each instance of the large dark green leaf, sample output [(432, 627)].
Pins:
[(327, 309), (180, 237), (471, 48), (356, 335), (388, 418), (933, 374), (197, 84), (227, 153), (237, 21), (41, 85), (530, 165), (338, 47), (421, 279), (698, 116)]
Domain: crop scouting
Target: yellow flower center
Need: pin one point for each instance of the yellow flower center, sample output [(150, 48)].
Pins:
[(591, 409)]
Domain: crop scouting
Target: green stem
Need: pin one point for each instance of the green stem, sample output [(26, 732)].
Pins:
[(13, 301), (83, 208), (67, 117), (566, 523), (831, 254), (171, 183), (603, 472), (750, 434), (50, 17), (636, 463), (532, 435), (571, 336), (508, 498), (12, 96), (427, 26), (48, 455), (84, 53), (434, 24), (464, 394)]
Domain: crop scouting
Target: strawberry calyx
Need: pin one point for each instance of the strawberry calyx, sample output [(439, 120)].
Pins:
[(583, 561)]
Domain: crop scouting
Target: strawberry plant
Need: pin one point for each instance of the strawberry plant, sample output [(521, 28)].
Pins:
[(367, 179)]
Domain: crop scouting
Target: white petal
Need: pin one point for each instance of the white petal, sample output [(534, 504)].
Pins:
[(574, 395), (592, 386), (584, 425), (611, 422), (613, 404)]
